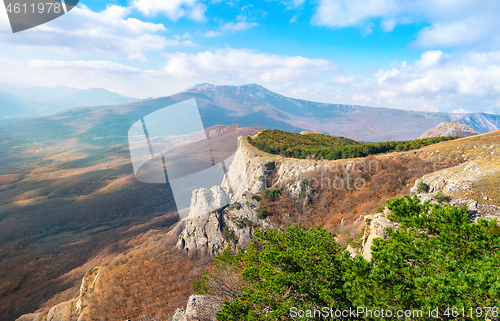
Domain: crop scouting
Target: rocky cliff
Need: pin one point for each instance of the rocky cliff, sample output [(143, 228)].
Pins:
[(249, 174), (72, 310), (453, 128)]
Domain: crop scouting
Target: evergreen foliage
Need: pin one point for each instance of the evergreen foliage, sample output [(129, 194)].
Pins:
[(437, 258), (318, 146)]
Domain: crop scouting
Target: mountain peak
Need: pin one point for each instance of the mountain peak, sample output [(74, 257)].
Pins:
[(453, 128)]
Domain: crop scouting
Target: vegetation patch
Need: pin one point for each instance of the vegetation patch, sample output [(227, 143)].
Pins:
[(318, 146), (423, 187), (436, 258)]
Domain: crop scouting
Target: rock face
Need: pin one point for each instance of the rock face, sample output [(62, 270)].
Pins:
[(464, 185), (72, 310), (453, 128), (198, 308), (247, 173), (375, 226), (232, 225), (205, 200)]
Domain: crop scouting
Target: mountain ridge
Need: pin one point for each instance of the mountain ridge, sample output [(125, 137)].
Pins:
[(254, 105), (19, 102)]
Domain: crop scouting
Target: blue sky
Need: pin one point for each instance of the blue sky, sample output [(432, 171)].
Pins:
[(429, 55)]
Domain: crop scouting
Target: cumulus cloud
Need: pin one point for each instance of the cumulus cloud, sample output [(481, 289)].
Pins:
[(439, 81), (451, 23), (173, 9), (476, 74), (343, 81), (231, 27), (212, 33), (238, 26), (97, 33), (137, 56), (230, 65)]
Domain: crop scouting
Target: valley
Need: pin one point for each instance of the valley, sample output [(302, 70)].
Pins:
[(70, 203)]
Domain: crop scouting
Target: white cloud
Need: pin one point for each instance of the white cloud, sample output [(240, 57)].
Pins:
[(439, 81), (291, 4), (211, 34), (346, 13), (475, 74), (232, 27), (239, 26), (137, 56), (189, 43), (241, 65), (451, 23), (84, 31), (343, 81), (173, 9), (362, 97)]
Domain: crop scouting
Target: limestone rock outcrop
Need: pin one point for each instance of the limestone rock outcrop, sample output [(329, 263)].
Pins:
[(247, 173), (231, 225), (453, 128), (72, 310), (198, 308), (465, 185), (205, 200), (375, 226)]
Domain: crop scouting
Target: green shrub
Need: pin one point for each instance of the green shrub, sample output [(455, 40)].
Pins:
[(441, 197), (262, 212), (423, 187), (437, 257), (379, 209), (228, 235), (237, 205), (257, 198)]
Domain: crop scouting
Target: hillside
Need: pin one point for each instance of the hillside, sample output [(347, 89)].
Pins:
[(68, 203), (453, 128), (338, 208)]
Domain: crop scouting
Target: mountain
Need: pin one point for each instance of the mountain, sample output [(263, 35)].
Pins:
[(16, 102), (453, 128), (11, 105), (254, 105)]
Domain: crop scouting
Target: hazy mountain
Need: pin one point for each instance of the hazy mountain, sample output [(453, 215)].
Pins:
[(18, 102), (13, 106), (254, 105)]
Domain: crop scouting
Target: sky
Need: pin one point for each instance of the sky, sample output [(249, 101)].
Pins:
[(426, 55)]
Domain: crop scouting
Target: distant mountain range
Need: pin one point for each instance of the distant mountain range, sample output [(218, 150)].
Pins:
[(254, 105), (16, 102), (248, 105)]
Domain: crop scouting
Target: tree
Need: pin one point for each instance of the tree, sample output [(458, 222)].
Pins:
[(436, 258)]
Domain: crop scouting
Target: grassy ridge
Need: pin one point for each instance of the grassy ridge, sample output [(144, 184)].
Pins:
[(318, 146)]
